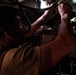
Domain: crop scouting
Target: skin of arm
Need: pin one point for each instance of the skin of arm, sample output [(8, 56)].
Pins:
[(40, 21), (54, 51)]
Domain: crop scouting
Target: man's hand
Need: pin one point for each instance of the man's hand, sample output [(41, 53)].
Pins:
[(49, 13), (64, 10)]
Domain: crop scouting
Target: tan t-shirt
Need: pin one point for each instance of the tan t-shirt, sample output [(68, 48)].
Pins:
[(21, 61)]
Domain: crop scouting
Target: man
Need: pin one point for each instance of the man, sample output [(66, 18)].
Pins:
[(25, 60)]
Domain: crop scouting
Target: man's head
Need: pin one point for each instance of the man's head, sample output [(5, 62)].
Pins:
[(9, 24), (10, 21)]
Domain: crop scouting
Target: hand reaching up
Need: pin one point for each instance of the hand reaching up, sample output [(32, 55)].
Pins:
[(64, 10)]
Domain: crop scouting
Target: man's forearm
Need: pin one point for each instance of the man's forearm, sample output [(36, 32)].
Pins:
[(34, 26), (66, 25), (66, 32)]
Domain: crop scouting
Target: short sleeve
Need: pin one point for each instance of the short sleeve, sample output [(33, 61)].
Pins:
[(22, 61)]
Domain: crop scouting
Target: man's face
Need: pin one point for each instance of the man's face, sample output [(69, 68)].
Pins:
[(20, 28)]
